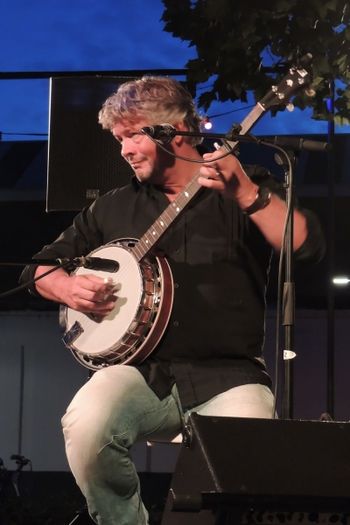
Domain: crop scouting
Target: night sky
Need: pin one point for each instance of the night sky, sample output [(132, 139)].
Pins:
[(62, 35)]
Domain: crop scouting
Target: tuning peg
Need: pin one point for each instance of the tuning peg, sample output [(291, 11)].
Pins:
[(309, 92)]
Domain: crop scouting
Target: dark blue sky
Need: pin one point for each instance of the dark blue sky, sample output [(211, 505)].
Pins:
[(75, 35)]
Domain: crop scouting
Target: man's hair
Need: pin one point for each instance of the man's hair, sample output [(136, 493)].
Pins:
[(158, 100)]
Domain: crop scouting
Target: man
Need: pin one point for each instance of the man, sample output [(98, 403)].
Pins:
[(209, 359)]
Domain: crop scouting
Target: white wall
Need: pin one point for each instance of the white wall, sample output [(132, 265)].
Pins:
[(51, 376)]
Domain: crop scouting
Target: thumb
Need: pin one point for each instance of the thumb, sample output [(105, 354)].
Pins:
[(209, 156)]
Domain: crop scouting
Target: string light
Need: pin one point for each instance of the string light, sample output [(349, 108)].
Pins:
[(341, 280), (207, 120), (206, 123)]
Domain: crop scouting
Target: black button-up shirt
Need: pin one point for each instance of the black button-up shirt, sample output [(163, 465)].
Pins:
[(219, 261)]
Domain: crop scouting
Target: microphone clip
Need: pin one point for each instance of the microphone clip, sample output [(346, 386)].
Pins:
[(161, 133)]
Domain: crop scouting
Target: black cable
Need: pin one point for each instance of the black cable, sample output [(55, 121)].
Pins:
[(35, 134), (279, 280), (231, 111), (282, 252), (279, 307), (24, 133)]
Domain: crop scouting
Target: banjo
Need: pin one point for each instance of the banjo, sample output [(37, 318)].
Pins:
[(143, 283)]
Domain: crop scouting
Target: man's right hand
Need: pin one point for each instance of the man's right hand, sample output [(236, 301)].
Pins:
[(85, 293)]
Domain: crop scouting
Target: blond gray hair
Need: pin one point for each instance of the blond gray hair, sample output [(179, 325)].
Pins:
[(156, 99)]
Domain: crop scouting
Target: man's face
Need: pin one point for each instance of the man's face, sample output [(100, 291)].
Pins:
[(140, 151)]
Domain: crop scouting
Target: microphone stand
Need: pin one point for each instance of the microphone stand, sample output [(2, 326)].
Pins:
[(287, 161), (288, 292), (55, 264), (288, 311), (59, 263)]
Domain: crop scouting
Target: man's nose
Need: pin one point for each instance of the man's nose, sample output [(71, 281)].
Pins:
[(128, 147)]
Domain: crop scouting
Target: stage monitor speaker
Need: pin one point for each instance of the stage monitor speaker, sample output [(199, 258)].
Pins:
[(84, 161), (241, 470)]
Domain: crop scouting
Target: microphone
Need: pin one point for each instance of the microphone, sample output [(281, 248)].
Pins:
[(300, 144), (20, 460), (162, 132), (92, 263)]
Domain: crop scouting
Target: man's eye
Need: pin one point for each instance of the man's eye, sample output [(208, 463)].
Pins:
[(136, 137)]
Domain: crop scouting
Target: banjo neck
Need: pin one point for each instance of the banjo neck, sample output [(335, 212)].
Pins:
[(296, 79), (173, 210)]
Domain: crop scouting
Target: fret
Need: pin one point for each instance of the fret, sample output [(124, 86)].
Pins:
[(136, 250)]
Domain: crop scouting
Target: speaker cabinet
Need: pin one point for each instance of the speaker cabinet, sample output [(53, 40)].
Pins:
[(84, 161), (237, 470)]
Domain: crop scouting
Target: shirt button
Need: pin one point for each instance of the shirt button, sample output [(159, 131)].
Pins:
[(176, 285), (176, 324)]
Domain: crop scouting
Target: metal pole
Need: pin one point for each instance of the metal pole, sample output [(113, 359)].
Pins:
[(331, 253)]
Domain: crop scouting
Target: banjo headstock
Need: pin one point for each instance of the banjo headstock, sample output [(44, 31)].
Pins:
[(297, 78)]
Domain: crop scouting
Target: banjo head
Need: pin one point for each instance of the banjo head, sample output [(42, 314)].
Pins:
[(100, 335), (144, 297)]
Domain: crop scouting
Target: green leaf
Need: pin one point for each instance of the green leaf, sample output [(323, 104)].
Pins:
[(236, 40)]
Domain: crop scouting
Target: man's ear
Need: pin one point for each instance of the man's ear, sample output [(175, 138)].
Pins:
[(179, 139)]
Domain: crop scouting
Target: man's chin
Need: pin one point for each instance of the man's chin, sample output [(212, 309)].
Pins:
[(143, 176)]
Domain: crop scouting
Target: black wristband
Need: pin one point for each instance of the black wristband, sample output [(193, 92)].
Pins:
[(262, 199)]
